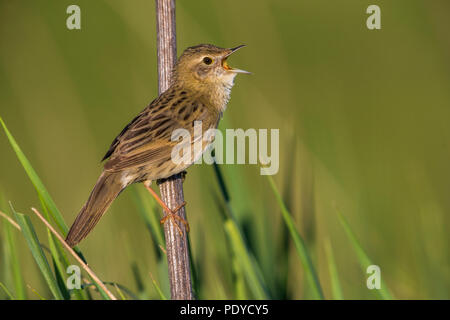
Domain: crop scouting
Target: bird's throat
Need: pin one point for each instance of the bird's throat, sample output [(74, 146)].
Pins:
[(219, 93)]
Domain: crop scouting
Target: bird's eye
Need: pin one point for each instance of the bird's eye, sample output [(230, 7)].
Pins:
[(207, 60)]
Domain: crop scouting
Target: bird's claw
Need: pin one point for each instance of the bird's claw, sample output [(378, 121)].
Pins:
[(173, 216)]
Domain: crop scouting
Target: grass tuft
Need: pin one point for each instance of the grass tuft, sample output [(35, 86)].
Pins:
[(38, 254), (299, 243)]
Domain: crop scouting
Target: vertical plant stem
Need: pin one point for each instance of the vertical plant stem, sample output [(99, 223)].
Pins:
[(172, 188)]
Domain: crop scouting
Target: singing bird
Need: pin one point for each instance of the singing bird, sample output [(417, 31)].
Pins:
[(200, 89)]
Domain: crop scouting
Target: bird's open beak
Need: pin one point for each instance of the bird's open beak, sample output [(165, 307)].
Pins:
[(225, 64)]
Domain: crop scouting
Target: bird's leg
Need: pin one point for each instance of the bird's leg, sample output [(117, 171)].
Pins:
[(171, 214), (183, 175)]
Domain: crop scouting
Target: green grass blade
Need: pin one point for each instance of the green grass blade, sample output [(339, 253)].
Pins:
[(60, 280), (85, 287), (363, 258), (60, 260), (102, 292), (246, 261), (119, 292), (8, 293), (195, 279), (38, 255), (10, 265), (240, 291), (299, 244), (37, 183), (117, 286), (242, 259), (163, 279), (125, 291), (47, 202), (336, 290), (60, 264), (158, 289), (14, 265), (141, 288), (36, 293)]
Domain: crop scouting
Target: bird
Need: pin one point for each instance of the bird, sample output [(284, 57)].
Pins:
[(199, 91)]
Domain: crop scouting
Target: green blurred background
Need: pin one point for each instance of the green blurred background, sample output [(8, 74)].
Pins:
[(363, 117)]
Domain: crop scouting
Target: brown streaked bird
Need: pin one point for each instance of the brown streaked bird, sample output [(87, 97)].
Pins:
[(200, 88)]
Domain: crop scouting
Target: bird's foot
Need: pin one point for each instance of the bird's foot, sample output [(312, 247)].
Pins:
[(183, 175), (171, 215)]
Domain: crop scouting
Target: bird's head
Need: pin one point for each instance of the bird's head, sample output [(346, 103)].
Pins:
[(205, 67)]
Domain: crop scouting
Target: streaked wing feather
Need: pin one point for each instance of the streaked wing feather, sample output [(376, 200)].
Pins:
[(151, 154), (147, 139)]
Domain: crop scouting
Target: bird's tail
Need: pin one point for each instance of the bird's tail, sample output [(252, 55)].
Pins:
[(107, 188)]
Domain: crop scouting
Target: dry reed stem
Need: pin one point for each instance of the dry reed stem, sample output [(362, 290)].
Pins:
[(74, 254)]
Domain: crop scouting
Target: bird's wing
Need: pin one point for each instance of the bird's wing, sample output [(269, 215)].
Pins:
[(132, 123), (147, 139)]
